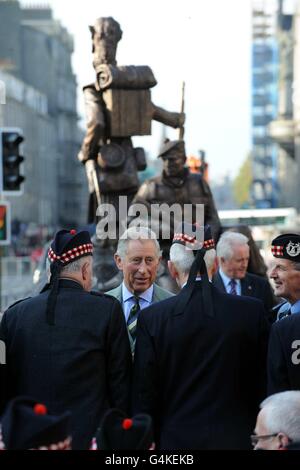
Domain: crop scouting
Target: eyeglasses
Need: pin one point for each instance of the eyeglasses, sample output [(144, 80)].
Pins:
[(255, 438)]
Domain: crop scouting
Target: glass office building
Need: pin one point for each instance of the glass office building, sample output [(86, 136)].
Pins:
[(264, 103)]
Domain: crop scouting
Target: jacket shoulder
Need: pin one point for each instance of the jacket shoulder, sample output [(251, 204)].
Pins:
[(161, 293), (217, 280), (18, 302), (162, 309), (236, 300), (102, 295), (97, 294), (256, 279), (114, 292)]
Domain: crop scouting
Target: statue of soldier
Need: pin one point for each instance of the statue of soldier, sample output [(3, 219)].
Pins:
[(102, 150), (178, 185), (118, 106)]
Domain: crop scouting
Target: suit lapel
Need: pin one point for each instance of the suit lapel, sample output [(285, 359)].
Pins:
[(118, 294), (246, 286), (218, 282), (156, 294), (119, 297)]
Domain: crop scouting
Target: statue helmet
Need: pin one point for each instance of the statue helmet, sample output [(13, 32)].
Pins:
[(108, 26), (169, 145)]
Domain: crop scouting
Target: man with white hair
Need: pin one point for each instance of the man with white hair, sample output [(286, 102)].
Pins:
[(191, 346), (138, 257), (278, 422), (232, 276)]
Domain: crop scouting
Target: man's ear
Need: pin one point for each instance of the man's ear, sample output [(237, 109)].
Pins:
[(284, 441), (172, 269), (118, 261), (84, 271), (215, 267)]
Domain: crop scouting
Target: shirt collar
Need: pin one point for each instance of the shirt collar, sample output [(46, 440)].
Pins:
[(198, 278), (147, 295), (226, 280), (295, 308)]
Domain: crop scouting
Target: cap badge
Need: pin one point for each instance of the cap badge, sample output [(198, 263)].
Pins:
[(293, 249)]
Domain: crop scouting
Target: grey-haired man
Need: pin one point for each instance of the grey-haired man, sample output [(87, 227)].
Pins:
[(138, 257)]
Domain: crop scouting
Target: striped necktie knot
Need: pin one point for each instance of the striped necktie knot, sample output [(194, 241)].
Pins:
[(232, 285), (133, 316)]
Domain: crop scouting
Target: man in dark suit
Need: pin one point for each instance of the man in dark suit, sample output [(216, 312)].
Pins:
[(200, 358), (67, 348), (284, 347), (138, 257), (232, 276)]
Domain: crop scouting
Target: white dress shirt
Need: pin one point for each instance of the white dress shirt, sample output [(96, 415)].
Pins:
[(145, 299), (226, 281)]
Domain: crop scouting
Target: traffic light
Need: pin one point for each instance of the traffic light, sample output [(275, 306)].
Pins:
[(11, 160), (4, 223)]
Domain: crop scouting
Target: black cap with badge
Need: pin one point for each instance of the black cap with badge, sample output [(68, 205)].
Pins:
[(67, 247), (287, 246)]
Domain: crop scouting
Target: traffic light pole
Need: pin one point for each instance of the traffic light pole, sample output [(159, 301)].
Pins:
[(11, 160), (1, 255), (11, 181), (1, 184), (6, 239)]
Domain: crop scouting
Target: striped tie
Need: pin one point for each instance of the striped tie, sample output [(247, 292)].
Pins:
[(132, 319), (233, 287)]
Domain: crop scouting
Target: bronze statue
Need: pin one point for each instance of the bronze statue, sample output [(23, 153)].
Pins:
[(118, 106), (178, 185)]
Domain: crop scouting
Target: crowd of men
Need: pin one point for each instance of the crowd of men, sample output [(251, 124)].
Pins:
[(193, 369)]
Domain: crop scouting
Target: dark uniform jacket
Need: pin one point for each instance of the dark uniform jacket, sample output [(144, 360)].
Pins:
[(253, 286), (81, 364), (201, 377), (284, 355)]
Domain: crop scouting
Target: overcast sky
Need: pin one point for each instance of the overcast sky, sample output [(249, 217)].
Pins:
[(207, 43)]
